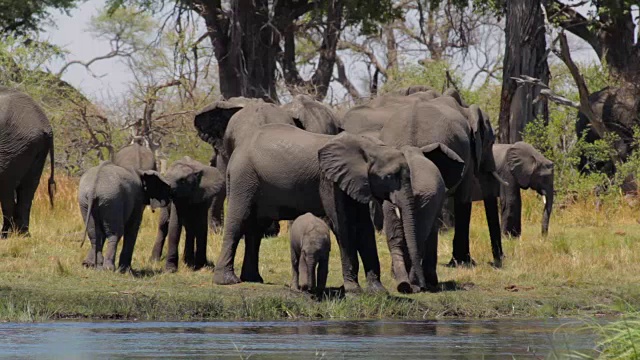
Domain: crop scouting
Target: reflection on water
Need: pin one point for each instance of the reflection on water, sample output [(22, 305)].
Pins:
[(265, 340)]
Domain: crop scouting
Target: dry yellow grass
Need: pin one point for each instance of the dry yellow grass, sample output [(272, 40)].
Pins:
[(589, 261)]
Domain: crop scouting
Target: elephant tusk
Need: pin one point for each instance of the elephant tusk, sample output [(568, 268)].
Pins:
[(544, 200), (500, 180), (397, 210)]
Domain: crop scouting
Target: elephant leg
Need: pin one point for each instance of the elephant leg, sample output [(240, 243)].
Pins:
[(397, 248), (175, 228), (334, 203), (216, 213), (110, 254), (365, 237), (295, 260), (200, 232), (511, 210), (303, 269), (253, 239), (491, 212), (96, 237), (323, 273), (189, 241), (239, 210), (8, 202), (430, 259), (163, 229), (25, 192), (129, 241), (461, 253), (311, 264)]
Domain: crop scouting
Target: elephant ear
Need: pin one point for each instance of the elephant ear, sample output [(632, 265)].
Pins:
[(211, 121), (156, 188), (476, 121), (342, 160), (521, 165), (451, 166)]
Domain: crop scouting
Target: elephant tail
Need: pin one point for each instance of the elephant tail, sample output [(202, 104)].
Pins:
[(91, 198), (52, 183)]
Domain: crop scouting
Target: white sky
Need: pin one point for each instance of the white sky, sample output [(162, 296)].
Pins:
[(70, 33)]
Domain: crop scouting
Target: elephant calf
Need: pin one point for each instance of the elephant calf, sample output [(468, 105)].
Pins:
[(310, 247), (112, 200), (194, 188)]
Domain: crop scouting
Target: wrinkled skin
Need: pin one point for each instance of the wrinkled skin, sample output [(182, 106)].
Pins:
[(432, 168), (112, 200), (310, 247), (194, 187), (424, 118), (26, 139), (284, 172), (135, 156), (619, 109), (226, 123)]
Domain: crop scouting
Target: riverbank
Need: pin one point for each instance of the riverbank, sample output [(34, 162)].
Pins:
[(589, 263)]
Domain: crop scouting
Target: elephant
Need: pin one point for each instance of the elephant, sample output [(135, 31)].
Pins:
[(619, 109), (225, 123), (424, 118), (136, 156), (112, 200), (283, 172), (194, 186), (26, 138), (522, 167), (434, 168), (310, 248)]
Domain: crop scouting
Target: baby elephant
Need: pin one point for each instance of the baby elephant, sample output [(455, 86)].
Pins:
[(112, 200), (310, 247), (194, 187)]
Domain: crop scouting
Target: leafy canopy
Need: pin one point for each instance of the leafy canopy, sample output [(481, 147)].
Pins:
[(20, 17)]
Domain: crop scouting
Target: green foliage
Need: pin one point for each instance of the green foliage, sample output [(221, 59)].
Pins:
[(20, 17), (370, 13)]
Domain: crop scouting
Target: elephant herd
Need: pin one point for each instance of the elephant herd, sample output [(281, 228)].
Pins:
[(393, 162)]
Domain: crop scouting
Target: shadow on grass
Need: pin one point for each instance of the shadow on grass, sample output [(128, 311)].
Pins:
[(145, 272), (453, 285)]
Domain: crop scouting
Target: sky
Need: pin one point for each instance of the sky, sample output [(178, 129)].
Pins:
[(70, 32)]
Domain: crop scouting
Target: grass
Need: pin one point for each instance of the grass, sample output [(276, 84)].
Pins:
[(589, 262)]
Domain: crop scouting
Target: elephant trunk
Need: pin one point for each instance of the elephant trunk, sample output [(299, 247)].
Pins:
[(406, 204), (548, 207)]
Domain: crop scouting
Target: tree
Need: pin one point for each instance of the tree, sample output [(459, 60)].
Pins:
[(525, 54), (608, 28), (20, 17), (252, 37)]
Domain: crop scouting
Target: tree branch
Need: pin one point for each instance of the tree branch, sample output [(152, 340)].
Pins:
[(569, 19), (344, 80)]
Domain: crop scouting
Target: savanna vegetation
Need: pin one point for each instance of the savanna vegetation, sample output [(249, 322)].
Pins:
[(181, 55)]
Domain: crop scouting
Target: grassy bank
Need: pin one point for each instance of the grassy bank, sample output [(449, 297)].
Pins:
[(590, 261)]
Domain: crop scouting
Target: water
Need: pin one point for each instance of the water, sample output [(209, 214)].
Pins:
[(473, 339)]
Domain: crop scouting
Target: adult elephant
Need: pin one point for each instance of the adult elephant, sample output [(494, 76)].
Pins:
[(619, 109), (135, 156), (26, 138), (226, 123), (283, 172), (446, 119)]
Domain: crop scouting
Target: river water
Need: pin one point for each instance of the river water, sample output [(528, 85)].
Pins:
[(447, 339)]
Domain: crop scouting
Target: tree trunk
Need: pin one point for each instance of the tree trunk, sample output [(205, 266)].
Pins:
[(525, 55), (245, 45)]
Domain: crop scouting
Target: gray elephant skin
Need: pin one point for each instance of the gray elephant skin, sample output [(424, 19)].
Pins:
[(226, 123), (26, 138), (310, 248), (523, 167), (194, 187), (284, 172), (433, 168), (420, 118), (135, 156), (112, 200)]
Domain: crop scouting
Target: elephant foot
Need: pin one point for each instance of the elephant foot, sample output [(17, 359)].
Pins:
[(125, 269), (155, 258), (252, 277), (110, 266), (467, 263), (497, 263), (406, 288), (375, 287), (225, 277), (171, 268), (352, 287)]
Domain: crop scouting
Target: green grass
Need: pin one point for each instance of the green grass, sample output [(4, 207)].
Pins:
[(589, 262)]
